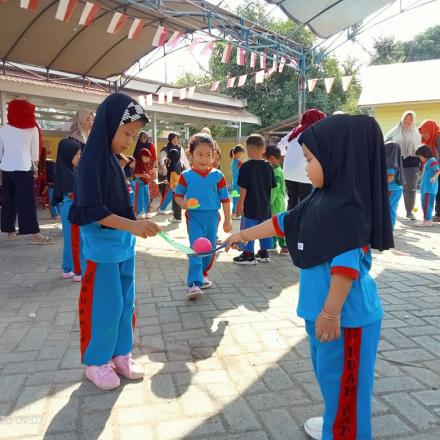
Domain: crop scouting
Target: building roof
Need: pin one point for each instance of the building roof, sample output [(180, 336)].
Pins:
[(400, 83), (328, 17)]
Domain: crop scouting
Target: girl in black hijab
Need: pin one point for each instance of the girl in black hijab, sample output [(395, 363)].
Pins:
[(330, 235), (102, 208)]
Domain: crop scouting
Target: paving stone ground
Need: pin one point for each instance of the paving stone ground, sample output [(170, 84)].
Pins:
[(234, 365)]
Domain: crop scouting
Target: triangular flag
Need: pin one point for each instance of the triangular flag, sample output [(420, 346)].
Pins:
[(263, 63), (141, 100), (160, 36), (136, 29), (241, 56), (149, 100), (259, 77), (227, 54), (191, 92), (253, 61), (270, 72), (89, 14), (65, 10), (175, 39), (214, 86), (117, 22), (346, 80), (242, 80), (29, 4), (161, 97), (207, 50), (328, 84), (195, 44), (311, 83), (281, 65), (182, 94), (230, 83), (170, 95)]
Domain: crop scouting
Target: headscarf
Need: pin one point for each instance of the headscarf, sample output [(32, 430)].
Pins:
[(148, 145), (21, 114), (308, 118), (351, 210), (143, 167), (76, 131), (174, 164), (101, 185), (408, 138), (64, 172), (128, 171), (393, 157), (432, 128)]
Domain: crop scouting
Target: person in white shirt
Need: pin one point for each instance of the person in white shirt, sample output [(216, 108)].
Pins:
[(19, 154)]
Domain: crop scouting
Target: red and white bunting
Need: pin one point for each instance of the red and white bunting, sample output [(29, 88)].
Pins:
[(195, 44), (311, 84), (170, 95), (191, 92), (231, 82), (328, 84), (270, 72), (160, 36), (182, 94), (259, 77), (263, 60), (116, 23), (136, 29), (175, 39), (346, 80), (214, 86), (293, 63), (253, 61), (141, 100), (242, 80), (241, 56), (65, 10), (89, 14), (149, 100), (227, 54), (29, 4), (161, 97), (281, 65), (208, 49)]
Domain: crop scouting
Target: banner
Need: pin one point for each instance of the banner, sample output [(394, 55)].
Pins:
[(182, 94), (29, 4), (65, 10), (259, 77), (227, 54), (241, 56), (116, 23), (328, 84), (214, 86), (160, 36), (311, 83), (136, 29), (346, 80), (175, 39), (208, 49), (89, 14), (281, 65), (263, 62), (253, 62), (230, 82), (242, 80)]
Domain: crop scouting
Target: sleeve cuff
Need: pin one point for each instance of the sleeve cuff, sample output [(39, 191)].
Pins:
[(345, 271), (178, 195), (276, 225), (226, 200)]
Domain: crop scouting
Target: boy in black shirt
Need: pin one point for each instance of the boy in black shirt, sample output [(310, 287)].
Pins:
[(256, 180)]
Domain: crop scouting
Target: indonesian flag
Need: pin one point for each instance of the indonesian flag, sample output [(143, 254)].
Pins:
[(242, 80), (191, 92), (170, 95), (293, 63), (227, 54), (136, 29), (89, 14), (214, 86), (230, 83), (117, 23), (241, 56), (281, 65), (253, 62), (270, 72), (160, 36), (65, 10), (161, 96), (328, 84), (346, 80), (29, 4), (149, 100), (195, 44), (259, 77), (182, 94), (175, 39), (207, 50), (263, 63), (141, 100), (311, 83)]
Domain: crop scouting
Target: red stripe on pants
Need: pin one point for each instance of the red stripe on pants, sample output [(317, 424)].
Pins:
[(76, 248), (345, 424), (133, 320), (85, 306), (136, 195), (425, 206)]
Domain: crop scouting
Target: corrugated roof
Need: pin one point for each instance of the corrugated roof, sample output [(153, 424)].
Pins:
[(400, 83)]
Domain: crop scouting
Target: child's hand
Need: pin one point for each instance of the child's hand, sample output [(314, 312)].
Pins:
[(327, 330), (227, 226), (233, 241), (144, 228)]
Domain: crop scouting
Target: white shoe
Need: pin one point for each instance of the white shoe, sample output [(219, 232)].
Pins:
[(206, 283), (140, 216), (150, 215), (67, 275), (77, 278), (424, 223), (194, 292), (175, 220), (313, 427)]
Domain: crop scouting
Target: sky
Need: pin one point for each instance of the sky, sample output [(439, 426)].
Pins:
[(403, 27)]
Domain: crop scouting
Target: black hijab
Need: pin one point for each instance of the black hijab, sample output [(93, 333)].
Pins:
[(173, 162), (351, 210), (394, 160), (140, 145), (64, 172), (101, 185)]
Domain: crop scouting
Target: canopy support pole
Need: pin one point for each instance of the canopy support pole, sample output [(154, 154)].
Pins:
[(154, 131)]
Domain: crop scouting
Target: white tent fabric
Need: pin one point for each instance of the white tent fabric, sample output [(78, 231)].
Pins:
[(328, 17)]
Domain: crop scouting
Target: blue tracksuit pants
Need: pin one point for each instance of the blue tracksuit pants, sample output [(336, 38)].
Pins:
[(344, 369), (201, 224), (106, 311), (428, 200), (142, 201), (394, 197), (55, 210), (265, 243), (167, 198)]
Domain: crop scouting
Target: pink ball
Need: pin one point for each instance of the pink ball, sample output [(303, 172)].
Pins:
[(202, 245)]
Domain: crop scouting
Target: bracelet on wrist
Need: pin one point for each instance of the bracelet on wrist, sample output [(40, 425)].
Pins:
[(329, 316)]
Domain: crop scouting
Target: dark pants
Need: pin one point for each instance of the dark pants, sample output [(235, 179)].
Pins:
[(296, 192), (410, 188), (437, 200), (18, 197), (177, 210)]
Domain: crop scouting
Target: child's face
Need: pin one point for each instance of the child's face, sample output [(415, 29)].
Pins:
[(132, 165), (125, 135), (75, 160), (146, 159), (202, 156), (143, 138), (238, 155), (425, 135), (313, 168), (422, 158)]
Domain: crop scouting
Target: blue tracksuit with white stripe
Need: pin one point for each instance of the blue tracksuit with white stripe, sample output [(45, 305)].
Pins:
[(428, 190)]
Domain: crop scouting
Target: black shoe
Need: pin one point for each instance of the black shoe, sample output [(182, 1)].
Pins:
[(245, 258), (262, 256), (410, 216)]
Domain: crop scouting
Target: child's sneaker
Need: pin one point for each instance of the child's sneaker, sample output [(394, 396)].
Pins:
[(206, 283), (262, 256), (149, 215), (103, 377), (245, 258), (140, 216), (194, 292), (313, 427), (284, 250), (127, 367), (67, 275), (423, 223), (175, 220), (236, 217), (77, 278)]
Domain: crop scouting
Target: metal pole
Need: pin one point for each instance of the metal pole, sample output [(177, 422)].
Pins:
[(153, 119), (239, 133), (2, 108), (302, 86)]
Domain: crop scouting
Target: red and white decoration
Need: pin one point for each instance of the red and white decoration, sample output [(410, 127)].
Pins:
[(175, 39), (29, 4), (242, 80), (195, 45), (328, 84), (282, 64), (253, 62), (65, 10), (160, 36), (182, 94), (346, 80), (136, 29), (263, 60), (214, 86), (259, 77), (241, 56), (227, 54), (117, 23), (89, 14), (311, 84), (208, 49), (230, 82)]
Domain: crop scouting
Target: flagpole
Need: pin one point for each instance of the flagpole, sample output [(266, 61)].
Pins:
[(302, 86)]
